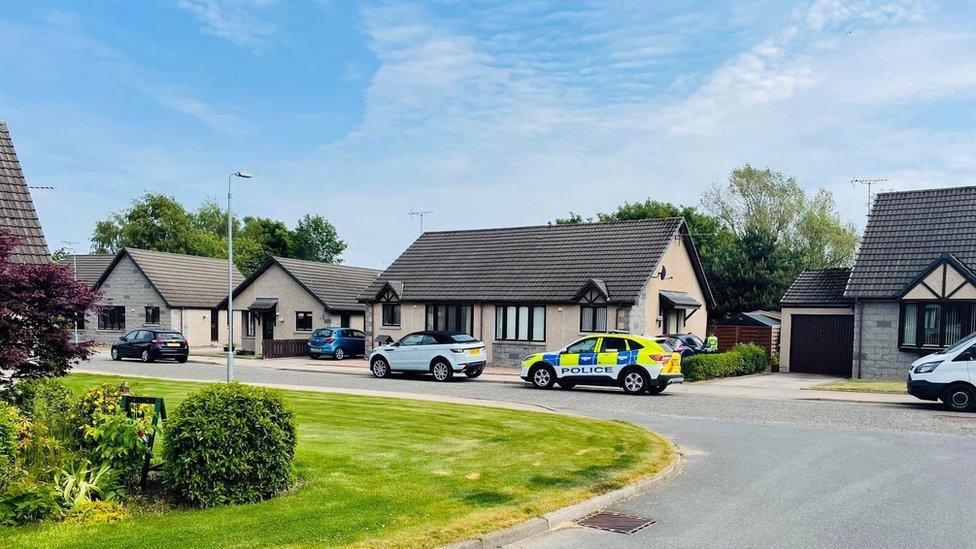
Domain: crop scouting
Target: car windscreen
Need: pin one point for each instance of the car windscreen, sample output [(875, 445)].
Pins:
[(322, 333), (961, 344), (462, 338), (171, 336)]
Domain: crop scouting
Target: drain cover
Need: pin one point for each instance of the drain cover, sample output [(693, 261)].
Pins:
[(615, 522)]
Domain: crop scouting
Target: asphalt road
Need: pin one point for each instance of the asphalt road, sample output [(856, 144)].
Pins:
[(756, 473)]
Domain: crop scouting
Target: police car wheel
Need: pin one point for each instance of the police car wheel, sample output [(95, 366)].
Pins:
[(442, 371), (656, 389), (542, 377), (634, 382), (959, 398)]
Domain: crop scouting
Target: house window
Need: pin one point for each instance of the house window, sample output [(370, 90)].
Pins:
[(112, 318), (303, 321), (247, 319), (391, 314), (152, 315), (451, 318), (80, 320), (936, 324), (593, 319), (520, 323)]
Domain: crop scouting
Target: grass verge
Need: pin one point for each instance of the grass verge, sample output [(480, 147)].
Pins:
[(390, 472), (863, 386)]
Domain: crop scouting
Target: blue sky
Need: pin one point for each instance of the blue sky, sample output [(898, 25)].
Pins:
[(489, 113)]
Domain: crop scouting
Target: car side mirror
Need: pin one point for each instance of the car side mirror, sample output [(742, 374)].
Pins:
[(123, 338)]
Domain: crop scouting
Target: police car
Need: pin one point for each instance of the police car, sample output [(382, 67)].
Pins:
[(638, 364)]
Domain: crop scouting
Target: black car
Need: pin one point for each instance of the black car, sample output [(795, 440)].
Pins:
[(149, 345), (688, 345)]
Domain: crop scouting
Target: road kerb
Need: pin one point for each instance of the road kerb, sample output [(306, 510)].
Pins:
[(561, 517)]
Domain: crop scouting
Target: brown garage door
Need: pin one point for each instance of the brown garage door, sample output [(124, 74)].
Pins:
[(822, 344)]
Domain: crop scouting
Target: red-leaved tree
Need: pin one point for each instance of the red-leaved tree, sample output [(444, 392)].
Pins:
[(38, 307)]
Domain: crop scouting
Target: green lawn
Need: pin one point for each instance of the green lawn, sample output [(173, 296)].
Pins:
[(391, 472), (863, 386)]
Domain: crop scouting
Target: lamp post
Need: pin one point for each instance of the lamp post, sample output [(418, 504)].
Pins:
[(69, 246), (230, 277)]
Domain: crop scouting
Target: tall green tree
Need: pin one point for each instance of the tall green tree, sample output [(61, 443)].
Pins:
[(822, 239), (315, 239), (160, 222), (753, 198)]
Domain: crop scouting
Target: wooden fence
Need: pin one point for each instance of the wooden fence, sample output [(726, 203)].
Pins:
[(279, 348), (730, 336)]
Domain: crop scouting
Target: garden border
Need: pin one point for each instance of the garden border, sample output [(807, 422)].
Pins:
[(556, 519)]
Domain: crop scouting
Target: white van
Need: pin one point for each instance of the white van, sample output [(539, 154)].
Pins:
[(949, 376)]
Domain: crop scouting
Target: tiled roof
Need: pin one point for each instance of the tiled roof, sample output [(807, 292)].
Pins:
[(182, 280), (90, 266), (818, 287), (546, 263), (337, 286), (17, 213), (907, 231)]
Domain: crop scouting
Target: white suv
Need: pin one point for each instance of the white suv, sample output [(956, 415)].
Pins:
[(440, 353), (949, 376)]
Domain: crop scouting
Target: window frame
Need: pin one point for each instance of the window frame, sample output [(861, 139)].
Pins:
[(594, 308), (967, 322), (152, 312), (299, 316), (248, 322), (501, 321), (395, 311), (435, 307), (118, 325)]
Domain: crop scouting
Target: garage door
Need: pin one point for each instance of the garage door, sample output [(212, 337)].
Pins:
[(822, 344)]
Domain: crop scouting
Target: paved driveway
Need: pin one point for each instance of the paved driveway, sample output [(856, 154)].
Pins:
[(757, 473)]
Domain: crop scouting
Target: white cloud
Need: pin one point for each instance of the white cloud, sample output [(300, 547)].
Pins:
[(241, 22), (172, 97)]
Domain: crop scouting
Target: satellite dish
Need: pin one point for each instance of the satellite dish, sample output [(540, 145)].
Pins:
[(664, 272)]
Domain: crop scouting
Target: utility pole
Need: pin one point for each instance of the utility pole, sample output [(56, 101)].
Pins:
[(421, 215), (869, 183), (69, 246)]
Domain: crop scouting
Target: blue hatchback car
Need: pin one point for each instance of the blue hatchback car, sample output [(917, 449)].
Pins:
[(337, 343)]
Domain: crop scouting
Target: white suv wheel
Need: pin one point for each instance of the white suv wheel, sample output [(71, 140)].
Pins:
[(441, 371)]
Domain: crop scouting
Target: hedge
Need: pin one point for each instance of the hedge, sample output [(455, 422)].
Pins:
[(737, 361)]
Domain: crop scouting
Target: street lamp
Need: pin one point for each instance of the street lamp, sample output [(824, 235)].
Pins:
[(69, 246), (230, 277)]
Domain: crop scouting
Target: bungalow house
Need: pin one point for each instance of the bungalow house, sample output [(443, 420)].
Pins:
[(525, 289), (143, 288), (911, 292), (17, 213), (89, 266), (286, 299)]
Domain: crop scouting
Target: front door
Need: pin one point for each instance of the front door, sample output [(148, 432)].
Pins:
[(267, 324), (344, 320), (215, 325)]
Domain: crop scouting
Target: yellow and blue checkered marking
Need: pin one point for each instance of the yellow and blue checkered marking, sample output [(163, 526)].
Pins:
[(623, 358)]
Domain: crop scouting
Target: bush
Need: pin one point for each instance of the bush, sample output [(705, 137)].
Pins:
[(120, 442), (97, 512), (105, 398), (229, 443), (753, 357), (81, 482), (9, 441), (25, 501), (737, 361), (46, 400)]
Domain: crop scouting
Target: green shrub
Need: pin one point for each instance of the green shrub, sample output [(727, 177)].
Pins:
[(9, 440), (229, 443), (120, 442), (105, 398), (47, 400), (739, 360), (26, 500), (753, 357), (97, 512)]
